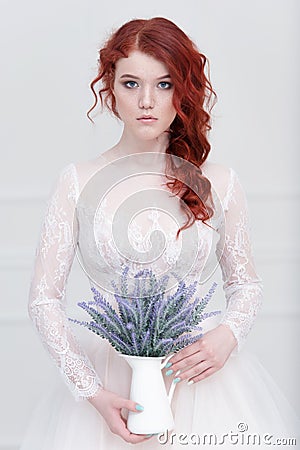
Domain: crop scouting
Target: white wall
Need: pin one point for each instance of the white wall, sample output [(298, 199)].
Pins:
[(48, 57)]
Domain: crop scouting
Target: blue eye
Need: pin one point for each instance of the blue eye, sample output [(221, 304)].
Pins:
[(130, 84), (165, 85)]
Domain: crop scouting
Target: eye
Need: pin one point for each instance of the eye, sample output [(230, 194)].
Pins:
[(130, 84), (165, 85)]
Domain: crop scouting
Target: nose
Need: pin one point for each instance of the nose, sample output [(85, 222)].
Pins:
[(146, 99)]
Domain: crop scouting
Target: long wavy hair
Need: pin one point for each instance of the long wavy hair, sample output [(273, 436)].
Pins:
[(193, 98)]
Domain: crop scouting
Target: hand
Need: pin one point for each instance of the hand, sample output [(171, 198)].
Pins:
[(204, 357), (109, 405)]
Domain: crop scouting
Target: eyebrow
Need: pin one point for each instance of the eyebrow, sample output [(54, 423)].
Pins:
[(128, 75)]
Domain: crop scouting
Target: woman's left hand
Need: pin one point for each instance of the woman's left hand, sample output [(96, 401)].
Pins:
[(204, 357)]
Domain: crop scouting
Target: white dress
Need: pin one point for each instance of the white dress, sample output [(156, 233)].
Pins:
[(91, 215)]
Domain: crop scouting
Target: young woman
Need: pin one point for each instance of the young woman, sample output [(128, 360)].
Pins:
[(153, 78)]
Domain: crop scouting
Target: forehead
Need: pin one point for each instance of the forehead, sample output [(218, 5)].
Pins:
[(142, 65)]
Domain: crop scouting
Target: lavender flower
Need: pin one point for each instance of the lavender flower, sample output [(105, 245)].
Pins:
[(147, 322)]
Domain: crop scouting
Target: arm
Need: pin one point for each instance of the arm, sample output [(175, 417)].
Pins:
[(54, 258), (242, 288)]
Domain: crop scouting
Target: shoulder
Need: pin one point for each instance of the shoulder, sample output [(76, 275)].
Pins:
[(226, 184), (85, 170), (72, 177), (215, 170), (220, 176)]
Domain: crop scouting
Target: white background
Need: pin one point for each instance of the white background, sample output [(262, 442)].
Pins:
[(48, 57)]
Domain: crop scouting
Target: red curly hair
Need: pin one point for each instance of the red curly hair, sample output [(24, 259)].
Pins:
[(192, 99)]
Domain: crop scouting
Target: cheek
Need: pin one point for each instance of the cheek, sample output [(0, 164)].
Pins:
[(172, 112), (124, 103), (169, 107)]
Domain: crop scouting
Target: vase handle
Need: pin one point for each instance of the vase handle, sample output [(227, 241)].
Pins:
[(165, 361), (171, 391), (173, 385)]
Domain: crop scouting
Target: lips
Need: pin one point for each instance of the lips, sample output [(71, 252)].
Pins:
[(145, 118)]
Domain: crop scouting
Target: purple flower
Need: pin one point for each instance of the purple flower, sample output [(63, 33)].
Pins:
[(147, 322)]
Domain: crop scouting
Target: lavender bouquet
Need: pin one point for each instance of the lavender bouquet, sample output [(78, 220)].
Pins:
[(147, 322)]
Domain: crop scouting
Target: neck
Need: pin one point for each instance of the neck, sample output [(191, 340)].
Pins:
[(129, 144)]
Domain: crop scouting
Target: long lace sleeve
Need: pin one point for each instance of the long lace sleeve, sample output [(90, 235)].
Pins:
[(54, 258), (242, 286)]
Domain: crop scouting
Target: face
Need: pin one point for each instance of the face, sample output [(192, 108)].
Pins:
[(143, 91)]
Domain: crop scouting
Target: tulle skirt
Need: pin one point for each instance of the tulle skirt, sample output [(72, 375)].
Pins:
[(238, 407)]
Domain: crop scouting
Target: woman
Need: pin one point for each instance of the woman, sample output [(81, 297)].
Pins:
[(153, 79)]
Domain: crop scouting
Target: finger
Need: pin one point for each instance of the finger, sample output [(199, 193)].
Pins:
[(185, 363), (128, 404), (120, 429), (135, 438), (184, 353), (132, 438), (194, 371), (203, 375), (195, 358)]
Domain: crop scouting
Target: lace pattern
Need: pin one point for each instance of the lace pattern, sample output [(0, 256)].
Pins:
[(54, 258), (68, 224), (242, 286)]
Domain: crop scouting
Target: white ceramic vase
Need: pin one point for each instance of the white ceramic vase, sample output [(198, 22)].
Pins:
[(149, 390)]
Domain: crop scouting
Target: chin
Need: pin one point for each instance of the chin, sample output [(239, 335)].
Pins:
[(151, 136)]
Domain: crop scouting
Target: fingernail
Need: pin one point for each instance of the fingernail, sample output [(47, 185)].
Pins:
[(169, 372), (176, 380), (139, 407), (190, 382), (149, 435), (168, 365)]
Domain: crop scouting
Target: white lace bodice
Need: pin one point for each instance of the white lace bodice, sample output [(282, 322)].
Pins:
[(87, 215)]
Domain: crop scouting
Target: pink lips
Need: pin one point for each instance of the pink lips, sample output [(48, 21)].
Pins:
[(147, 119)]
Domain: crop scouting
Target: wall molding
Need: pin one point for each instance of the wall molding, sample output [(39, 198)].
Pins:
[(268, 195), (23, 197), (22, 259), (10, 446), (270, 254), (17, 259), (41, 197)]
